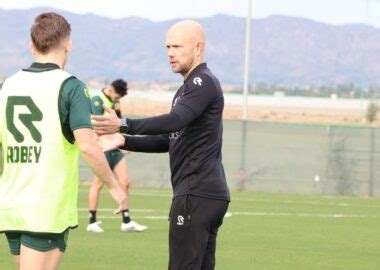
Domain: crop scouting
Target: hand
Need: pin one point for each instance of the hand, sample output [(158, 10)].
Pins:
[(122, 206), (111, 142), (106, 124), (120, 197)]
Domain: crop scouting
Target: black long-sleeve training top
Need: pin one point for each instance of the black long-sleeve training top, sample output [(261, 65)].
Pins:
[(192, 133)]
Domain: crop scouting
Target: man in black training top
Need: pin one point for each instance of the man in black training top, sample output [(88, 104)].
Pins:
[(192, 134)]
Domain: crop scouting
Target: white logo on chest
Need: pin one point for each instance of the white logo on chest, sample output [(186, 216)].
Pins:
[(174, 135), (197, 81), (175, 102)]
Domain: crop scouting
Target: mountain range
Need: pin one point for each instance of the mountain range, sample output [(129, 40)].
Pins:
[(285, 50)]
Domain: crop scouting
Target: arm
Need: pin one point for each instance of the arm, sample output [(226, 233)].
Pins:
[(146, 144), (75, 111), (95, 158), (191, 104), (177, 119)]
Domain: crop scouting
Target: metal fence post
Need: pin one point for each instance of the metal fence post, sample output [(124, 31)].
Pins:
[(327, 171), (371, 161), (242, 170)]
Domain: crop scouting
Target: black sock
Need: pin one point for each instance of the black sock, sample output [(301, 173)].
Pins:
[(92, 216), (125, 215)]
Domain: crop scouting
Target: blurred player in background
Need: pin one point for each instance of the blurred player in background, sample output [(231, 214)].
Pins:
[(111, 96)]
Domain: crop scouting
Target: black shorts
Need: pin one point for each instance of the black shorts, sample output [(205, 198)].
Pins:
[(194, 224), (113, 157), (38, 241)]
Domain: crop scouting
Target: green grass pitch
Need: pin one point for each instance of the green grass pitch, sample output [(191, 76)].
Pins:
[(264, 231)]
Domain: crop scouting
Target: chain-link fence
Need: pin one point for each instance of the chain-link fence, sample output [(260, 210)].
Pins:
[(310, 159), (280, 157)]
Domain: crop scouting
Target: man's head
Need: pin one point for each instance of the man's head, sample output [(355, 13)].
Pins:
[(116, 90), (185, 42), (50, 34)]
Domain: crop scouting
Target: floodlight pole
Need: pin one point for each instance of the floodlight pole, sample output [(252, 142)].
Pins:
[(242, 169), (246, 60), (363, 85)]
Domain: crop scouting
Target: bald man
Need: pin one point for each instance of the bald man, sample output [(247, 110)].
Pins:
[(192, 134)]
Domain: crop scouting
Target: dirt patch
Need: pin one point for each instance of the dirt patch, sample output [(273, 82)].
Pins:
[(146, 107)]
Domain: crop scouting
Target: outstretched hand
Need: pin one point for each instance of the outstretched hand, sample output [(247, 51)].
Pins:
[(111, 142), (106, 124)]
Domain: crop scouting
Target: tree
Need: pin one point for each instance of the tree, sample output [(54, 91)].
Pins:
[(372, 109)]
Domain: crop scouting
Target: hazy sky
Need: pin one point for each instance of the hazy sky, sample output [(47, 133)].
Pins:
[(330, 11)]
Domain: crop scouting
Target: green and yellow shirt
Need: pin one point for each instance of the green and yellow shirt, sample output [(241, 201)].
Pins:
[(40, 107)]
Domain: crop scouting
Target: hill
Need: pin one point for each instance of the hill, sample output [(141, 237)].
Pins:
[(285, 50)]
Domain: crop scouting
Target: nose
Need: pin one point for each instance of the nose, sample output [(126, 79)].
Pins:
[(170, 53)]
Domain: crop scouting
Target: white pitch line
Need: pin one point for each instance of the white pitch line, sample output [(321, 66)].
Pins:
[(112, 209), (152, 194), (279, 214), (341, 204), (118, 217), (261, 214), (147, 194)]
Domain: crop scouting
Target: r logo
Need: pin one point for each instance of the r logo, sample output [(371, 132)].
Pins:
[(180, 220), (198, 81), (26, 119)]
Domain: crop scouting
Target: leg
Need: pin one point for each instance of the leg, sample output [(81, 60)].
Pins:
[(93, 200), (97, 185), (220, 209), (187, 235), (121, 172), (209, 256), (42, 251), (14, 242), (93, 194), (192, 233), (16, 258), (31, 259)]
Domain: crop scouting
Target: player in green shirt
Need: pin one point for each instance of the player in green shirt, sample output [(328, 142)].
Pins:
[(44, 124), (110, 96)]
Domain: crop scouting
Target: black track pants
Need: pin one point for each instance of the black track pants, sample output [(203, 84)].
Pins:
[(194, 224)]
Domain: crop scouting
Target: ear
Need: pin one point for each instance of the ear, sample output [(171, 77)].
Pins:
[(31, 48), (111, 89), (199, 48), (69, 46)]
